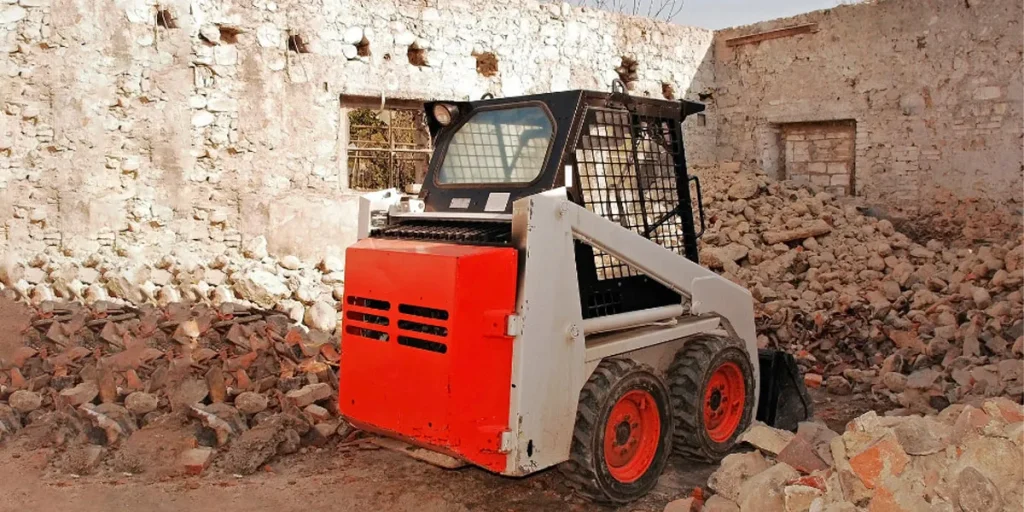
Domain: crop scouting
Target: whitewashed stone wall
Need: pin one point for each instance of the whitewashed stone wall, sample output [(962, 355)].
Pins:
[(120, 133)]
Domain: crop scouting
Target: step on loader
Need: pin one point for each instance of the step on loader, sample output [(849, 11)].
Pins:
[(540, 302)]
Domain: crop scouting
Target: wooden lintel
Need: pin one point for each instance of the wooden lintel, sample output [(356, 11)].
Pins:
[(376, 102), (806, 28)]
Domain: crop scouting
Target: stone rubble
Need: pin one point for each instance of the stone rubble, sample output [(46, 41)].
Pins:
[(308, 292), (966, 458), (113, 376), (863, 306)]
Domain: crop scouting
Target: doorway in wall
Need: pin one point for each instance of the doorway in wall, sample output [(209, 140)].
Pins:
[(821, 153)]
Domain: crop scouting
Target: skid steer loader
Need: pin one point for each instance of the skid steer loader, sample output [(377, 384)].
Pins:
[(540, 302)]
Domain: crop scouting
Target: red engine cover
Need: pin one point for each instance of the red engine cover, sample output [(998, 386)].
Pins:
[(424, 355)]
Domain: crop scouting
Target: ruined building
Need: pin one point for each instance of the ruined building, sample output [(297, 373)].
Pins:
[(143, 126)]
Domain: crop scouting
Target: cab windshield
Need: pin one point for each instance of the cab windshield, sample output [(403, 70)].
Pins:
[(505, 146)]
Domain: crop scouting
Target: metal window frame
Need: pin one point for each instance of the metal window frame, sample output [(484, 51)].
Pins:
[(355, 152), (467, 117)]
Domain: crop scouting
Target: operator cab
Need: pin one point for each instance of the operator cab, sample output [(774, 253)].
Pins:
[(617, 155)]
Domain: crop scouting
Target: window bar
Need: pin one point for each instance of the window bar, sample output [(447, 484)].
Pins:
[(634, 131)]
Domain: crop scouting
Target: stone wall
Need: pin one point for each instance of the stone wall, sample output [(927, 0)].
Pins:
[(142, 128), (934, 89), (147, 128)]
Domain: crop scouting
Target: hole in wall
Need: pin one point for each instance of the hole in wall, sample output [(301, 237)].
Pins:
[(668, 91), (229, 34), (417, 56), (627, 71), (165, 18), (363, 47), (486, 63), (702, 120), (297, 44)]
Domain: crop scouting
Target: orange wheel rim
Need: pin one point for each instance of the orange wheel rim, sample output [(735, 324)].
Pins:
[(631, 436), (724, 399)]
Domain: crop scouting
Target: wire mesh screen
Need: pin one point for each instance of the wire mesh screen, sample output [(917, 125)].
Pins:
[(498, 146), (626, 165), (387, 148)]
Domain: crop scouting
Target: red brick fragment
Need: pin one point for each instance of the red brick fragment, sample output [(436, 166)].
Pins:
[(196, 460), (883, 457)]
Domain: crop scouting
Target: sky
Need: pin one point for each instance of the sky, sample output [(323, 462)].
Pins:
[(716, 14)]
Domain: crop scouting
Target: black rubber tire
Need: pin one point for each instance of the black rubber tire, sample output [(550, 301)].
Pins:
[(586, 471), (688, 377)]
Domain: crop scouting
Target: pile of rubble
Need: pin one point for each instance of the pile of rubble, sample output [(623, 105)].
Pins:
[(865, 307), (306, 293), (132, 387), (965, 459)]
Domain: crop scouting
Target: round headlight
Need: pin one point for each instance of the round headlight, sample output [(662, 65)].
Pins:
[(444, 113)]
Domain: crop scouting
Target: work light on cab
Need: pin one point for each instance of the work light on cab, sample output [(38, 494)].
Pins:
[(445, 113)]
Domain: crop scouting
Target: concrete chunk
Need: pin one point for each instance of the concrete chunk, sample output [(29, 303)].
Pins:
[(767, 439)]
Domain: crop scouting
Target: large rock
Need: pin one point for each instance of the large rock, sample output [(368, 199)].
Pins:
[(922, 436), (735, 469), (25, 401), (251, 403), (332, 264), (743, 188), (11, 270), (716, 257), (127, 283), (290, 262), (764, 491), (816, 228), (141, 403), (767, 439), (976, 493), (322, 316), (261, 287), (255, 248)]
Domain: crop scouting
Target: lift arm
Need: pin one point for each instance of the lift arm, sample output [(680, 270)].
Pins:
[(551, 355), (708, 292)]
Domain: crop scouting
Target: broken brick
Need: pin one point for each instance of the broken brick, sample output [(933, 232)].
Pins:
[(309, 394), (882, 458), (216, 383), (21, 355), (321, 433), (317, 413), (195, 460), (81, 394), (1010, 411), (802, 455)]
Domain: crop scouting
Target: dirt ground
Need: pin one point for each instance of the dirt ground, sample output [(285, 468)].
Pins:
[(352, 477)]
